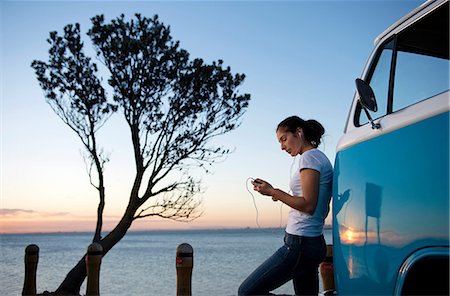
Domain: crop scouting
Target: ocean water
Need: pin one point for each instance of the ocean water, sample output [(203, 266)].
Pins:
[(143, 263)]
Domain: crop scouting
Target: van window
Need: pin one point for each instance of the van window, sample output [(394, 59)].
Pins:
[(418, 76), (417, 67)]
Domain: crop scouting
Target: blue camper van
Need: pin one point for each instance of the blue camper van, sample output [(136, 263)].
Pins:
[(391, 185)]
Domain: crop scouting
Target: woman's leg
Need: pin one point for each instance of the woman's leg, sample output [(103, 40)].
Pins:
[(274, 272), (307, 283), (306, 278)]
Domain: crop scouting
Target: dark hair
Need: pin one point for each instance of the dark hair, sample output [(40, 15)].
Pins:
[(312, 129)]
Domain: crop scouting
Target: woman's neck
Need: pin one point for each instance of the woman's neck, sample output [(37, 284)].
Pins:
[(307, 147)]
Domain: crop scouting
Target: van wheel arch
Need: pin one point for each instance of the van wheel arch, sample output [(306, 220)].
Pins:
[(426, 272)]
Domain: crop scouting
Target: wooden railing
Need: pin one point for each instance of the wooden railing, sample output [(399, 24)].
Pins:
[(184, 262), (31, 262)]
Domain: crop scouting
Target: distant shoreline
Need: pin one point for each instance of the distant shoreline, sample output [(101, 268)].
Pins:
[(326, 227)]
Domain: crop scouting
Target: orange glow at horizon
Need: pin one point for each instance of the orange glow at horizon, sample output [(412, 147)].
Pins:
[(37, 222)]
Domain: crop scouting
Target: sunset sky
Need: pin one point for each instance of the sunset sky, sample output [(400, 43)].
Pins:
[(299, 57)]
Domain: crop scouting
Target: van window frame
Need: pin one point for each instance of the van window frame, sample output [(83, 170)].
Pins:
[(368, 78), (392, 73)]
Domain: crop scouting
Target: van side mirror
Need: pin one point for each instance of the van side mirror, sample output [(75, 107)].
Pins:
[(366, 95), (367, 100)]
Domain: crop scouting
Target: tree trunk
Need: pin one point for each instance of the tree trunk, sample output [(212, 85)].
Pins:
[(73, 281), (75, 278)]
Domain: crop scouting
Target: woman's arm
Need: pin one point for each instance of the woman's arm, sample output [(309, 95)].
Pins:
[(306, 203)]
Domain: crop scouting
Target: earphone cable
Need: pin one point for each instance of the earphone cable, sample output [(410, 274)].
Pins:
[(254, 201)]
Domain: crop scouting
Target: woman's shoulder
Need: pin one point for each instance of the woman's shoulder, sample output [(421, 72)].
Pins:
[(314, 152), (316, 155)]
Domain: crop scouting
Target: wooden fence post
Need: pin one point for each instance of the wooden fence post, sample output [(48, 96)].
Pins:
[(184, 265), (31, 261), (93, 261), (327, 272)]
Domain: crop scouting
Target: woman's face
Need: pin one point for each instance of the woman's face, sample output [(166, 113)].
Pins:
[(290, 142)]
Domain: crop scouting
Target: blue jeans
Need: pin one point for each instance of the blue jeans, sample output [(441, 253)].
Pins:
[(297, 260)]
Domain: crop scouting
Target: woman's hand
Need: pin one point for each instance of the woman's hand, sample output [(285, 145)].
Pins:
[(262, 187)]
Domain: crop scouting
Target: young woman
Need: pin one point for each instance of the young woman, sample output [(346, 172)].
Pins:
[(304, 245)]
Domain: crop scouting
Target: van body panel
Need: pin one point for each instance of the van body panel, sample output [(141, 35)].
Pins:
[(384, 207)]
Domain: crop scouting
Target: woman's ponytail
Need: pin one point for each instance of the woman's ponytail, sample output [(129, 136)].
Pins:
[(315, 132)]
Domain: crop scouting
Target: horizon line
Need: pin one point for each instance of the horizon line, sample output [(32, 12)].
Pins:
[(326, 227)]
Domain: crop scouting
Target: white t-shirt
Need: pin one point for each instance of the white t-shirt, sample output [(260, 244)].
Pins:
[(300, 223)]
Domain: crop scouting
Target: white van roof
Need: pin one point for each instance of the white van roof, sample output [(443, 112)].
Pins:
[(411, 17)]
